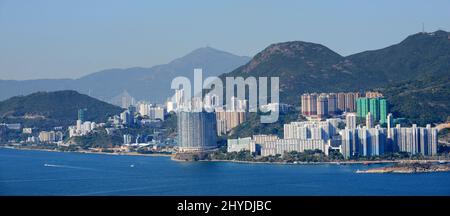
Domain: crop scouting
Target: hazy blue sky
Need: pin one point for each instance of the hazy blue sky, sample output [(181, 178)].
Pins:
[(69, 39)]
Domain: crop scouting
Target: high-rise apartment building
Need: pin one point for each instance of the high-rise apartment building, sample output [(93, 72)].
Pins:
[(322, 106), (332, 104), (196, 131), (363, 141), (369, 120), (383, 111), (414, 140), (341, 104), (81, 114), (227, 120), (376, 106), (350, 101), (350, 120), (309, 104)]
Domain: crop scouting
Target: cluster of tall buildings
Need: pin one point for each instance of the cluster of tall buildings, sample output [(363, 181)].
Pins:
[(226, 117), (227, 120), (352, 141), (151, 111), (313, 129), (327, 104), (180, 102), (363, 141), (346, 101), (414, 139), (298, 136), (375, 109), (127, 116), (82, 127)]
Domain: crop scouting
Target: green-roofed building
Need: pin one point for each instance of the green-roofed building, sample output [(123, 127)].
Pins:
[(383, 111), (362, 107), (376, 106)]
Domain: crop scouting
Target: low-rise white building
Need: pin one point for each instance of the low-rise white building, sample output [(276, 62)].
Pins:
[(239, 144)]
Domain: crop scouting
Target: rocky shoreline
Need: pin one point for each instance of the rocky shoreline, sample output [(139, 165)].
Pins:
[(416, 167)]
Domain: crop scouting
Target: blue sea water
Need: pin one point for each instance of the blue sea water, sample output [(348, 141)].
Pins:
[(56, 173)]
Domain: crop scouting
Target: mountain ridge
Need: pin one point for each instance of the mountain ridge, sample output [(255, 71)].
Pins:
[(152, 83), (309, 67)]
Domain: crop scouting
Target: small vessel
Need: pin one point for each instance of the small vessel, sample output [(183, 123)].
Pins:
[(132, 165), (442, 162)]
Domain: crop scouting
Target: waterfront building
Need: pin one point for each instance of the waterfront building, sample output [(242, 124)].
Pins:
[(262, 138), (349, 146), (363, 141), (241, 144), (127, 139), (50, 136), (414, 140), (282, 146), (314, 129), (197, 131)]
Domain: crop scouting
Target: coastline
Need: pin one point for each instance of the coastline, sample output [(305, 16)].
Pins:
[(172, 157), (91, 152)]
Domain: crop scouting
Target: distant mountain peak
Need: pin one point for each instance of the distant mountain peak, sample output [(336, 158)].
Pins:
[(300, 50), (439, 34), (207, 52)]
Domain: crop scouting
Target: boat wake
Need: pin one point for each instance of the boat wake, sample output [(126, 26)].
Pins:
[(68, 167)]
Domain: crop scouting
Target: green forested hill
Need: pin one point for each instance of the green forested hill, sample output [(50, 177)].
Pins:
[(422, 101), (54, 108)]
